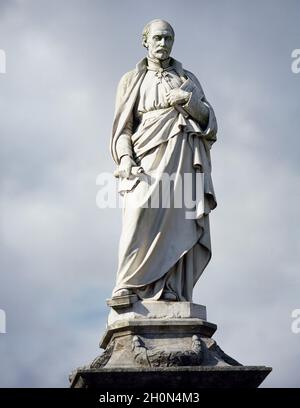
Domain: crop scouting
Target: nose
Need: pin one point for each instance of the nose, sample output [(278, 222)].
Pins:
[(163, 42)]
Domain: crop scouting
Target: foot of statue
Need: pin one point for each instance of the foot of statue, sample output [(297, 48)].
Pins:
[(169, 296), (122, 292)]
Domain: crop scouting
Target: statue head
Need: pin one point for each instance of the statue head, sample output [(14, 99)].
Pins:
[(158, 38)]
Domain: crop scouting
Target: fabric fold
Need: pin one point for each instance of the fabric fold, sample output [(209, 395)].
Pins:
[(163, 245)]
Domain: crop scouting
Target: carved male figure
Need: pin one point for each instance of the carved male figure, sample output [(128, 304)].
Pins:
[(163, 125)]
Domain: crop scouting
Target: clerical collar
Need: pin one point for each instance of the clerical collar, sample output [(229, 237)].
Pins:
[(141, 66), (156, 65)]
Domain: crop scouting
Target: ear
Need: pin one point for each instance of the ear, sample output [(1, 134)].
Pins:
[(145, 44)]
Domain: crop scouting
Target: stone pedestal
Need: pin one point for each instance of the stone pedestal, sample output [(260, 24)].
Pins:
[(151, 345), (169, 379)]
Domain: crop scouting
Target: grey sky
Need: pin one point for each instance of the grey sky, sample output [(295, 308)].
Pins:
[(59, 251)]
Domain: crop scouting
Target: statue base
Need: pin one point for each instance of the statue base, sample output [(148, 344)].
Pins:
[(169, 379), (161, 344)]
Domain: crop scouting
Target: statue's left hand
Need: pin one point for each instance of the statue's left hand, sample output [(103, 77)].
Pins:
[(125, 166), (178, 97)]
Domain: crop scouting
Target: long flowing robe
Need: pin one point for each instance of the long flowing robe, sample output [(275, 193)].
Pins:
[(165, 248)]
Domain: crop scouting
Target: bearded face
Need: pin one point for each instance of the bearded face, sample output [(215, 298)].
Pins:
[(159, 41)]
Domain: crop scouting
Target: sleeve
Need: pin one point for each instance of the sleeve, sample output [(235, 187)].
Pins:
[(123, 144), (200, 110), (197, 108)]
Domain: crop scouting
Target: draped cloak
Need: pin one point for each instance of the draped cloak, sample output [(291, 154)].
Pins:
[(164, 248)]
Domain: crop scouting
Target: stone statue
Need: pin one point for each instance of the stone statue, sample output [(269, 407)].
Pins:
[(163, 125), (155, 335)]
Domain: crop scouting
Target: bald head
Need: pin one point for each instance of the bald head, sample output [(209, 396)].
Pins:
[(158, 38), (157, 23)]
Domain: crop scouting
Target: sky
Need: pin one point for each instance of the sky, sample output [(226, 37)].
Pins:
[(58, 250)]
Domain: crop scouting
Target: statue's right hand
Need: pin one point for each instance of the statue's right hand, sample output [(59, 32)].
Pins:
[(125, 166)]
